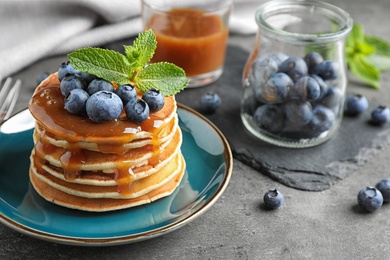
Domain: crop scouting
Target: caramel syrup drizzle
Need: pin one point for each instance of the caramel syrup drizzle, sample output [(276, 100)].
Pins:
[(50, 103)]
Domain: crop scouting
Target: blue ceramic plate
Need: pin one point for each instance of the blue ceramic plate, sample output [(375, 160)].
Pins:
[(209, 167)]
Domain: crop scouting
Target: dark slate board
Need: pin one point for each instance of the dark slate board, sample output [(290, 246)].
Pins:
[(313, 169)]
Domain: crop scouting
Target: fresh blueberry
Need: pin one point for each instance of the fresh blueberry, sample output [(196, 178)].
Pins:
[(70, 82), (75, 101), (298, 113), (262, 69), (356, 104), (327, 70), (154, 98), (99, 85), (273, 199), (276, 88), (380, 115), (384, 187), (332, 98), (42, 77), (312, 59), (279, 57), (306, 88), (126, 92), (87, 77), (323, 119), (66, 68), (294, 67), (210, 102), (370, 199), (323, 86), (137, 111), (104, 106), (269, 117)]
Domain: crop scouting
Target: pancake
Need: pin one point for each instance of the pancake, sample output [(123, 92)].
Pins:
[(47, 107), (104, 166), (132, 189), (100, 205), (107, 168)]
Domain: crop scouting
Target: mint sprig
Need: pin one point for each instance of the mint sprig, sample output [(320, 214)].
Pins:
[(132, 67), (367, 56)]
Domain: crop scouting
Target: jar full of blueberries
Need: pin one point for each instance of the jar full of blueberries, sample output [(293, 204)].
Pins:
[(295, 79)]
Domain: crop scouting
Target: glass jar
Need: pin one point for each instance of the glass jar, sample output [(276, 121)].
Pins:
[(295, 78)]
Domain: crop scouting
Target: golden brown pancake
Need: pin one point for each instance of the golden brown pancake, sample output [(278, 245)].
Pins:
[(100, 205), (105, 166)]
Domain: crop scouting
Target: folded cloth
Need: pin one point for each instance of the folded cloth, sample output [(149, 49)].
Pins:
[(34, 29)]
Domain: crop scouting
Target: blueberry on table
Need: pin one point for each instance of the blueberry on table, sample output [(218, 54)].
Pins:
[(323, 119), (312, 59), (370, 199), (65, 69), (294, 67), (154, 98), (273, 199), (99, 85), (380, 115), (305, 89), (276, 88), (384, 187), (269, 117), (104, 106), (70, 82), (127, 93), (75, 101), (298, 113), (327, 70), (210, 102), (356, 105)]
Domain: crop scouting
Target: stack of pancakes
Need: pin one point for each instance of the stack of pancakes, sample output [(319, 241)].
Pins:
[(106, 166)]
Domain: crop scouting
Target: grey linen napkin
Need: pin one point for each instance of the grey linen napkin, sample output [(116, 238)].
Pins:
[(34, 29), (31, 30)]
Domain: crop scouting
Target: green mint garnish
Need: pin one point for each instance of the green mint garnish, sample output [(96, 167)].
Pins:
[(107, 64), (165, 74), (132, 67), (367, 56)]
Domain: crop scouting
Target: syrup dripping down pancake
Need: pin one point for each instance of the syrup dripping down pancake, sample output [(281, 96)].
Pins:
[(112, 165)]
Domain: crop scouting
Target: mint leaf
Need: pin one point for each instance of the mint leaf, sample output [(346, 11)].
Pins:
[(365, 48), (364, 69), (107, 64), (164, 76), (381, 57), (142, 49), (382, 47), (115, 67), (381, 62)]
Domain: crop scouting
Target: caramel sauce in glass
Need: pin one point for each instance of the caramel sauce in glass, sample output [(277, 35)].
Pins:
[(189, 38), (47, 106)]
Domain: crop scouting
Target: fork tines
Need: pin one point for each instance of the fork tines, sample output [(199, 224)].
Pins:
[(8, 96)]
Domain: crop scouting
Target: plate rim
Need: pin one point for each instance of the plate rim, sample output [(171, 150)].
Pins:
[(125, 239)]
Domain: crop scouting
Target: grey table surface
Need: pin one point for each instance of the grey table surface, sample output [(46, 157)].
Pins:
[(310, 225)]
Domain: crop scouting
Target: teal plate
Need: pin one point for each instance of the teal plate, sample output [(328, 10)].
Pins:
[(209, 167)]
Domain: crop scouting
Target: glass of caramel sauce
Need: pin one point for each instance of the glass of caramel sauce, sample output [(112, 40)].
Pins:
[(191, 34)]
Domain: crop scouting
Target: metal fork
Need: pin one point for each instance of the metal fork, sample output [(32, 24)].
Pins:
[(8, 96)]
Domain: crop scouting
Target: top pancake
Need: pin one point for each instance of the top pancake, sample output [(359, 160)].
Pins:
[(47, 107)]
